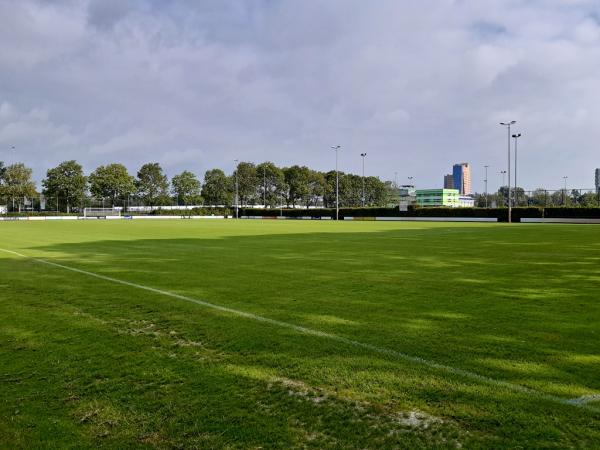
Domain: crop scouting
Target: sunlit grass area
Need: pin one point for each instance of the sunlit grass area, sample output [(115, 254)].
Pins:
[(380, 335)]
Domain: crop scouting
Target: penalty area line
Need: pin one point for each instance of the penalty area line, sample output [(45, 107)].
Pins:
[(517, 388)]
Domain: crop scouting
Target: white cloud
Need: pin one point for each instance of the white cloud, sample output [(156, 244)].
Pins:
[(417, 84)]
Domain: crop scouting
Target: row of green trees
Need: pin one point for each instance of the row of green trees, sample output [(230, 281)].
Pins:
[(539, 197), (264, 183)]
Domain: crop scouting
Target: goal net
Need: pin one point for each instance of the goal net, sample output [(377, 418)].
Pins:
[(101, 212)]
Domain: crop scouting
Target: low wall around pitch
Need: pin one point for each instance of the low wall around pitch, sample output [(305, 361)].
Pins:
[(438, 219), (558, 220), (386, 219), (286, 217), (39, 218), (356, 219)]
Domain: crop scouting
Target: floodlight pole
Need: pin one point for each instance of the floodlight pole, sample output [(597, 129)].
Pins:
[(507, 125), (236, 189), (516, 138), (337, 183), (486, 185), (565, 191), (264, 187), (363, 178)]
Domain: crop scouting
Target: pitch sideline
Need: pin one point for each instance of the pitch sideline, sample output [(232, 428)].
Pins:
[(334, 337)]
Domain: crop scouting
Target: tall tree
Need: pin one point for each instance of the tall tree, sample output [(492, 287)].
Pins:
[(216, 189), (66, 183), (502, 196), (186, 187), (392, 194), (329, 195), (589, 199), (18, 185), (350, 190), (152, 184), (558, 198), (296, 177), (248, 182), (539, 197), (375, 192), (271, 184), (2, 172), (113, 182), (316, 188)]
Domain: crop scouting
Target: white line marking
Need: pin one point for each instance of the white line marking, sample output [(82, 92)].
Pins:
[(334, 337), (584, 399)]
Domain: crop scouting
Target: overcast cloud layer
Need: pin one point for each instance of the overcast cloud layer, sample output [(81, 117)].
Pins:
[(418, 85)]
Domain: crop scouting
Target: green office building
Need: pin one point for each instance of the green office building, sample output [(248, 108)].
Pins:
[(438, 197)]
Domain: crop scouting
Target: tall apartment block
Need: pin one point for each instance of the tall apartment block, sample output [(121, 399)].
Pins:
[(461, 174), (448, 181), (598, 179)]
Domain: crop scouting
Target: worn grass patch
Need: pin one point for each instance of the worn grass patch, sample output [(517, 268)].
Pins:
[(86, 363)]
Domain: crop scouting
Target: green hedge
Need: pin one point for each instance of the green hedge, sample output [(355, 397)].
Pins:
[(299, 212), (500, 213), (182, 212), (374, 212), (572, 213), (158, 212), (37, 214)]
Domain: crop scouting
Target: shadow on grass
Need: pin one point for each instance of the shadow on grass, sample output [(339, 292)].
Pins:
[(469, 299)]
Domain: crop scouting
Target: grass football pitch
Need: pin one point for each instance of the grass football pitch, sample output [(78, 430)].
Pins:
[(293, 334)]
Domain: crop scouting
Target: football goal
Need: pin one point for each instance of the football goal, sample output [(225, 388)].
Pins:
[(101, 212)]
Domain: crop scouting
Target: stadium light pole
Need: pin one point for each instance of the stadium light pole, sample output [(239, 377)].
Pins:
[(236, 189), (264, 187), (281, 203), (486, 185), (410, 180), (507, 125), (337, 183), (565, 192), (503, 173), (363, 178), (516, 138)]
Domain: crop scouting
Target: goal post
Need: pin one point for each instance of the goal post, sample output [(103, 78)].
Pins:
[(100, 213)]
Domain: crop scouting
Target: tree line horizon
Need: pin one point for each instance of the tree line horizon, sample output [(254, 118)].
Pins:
[(257, 184)]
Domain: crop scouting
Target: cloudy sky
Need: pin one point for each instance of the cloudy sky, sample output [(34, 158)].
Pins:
[(417, 84)]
